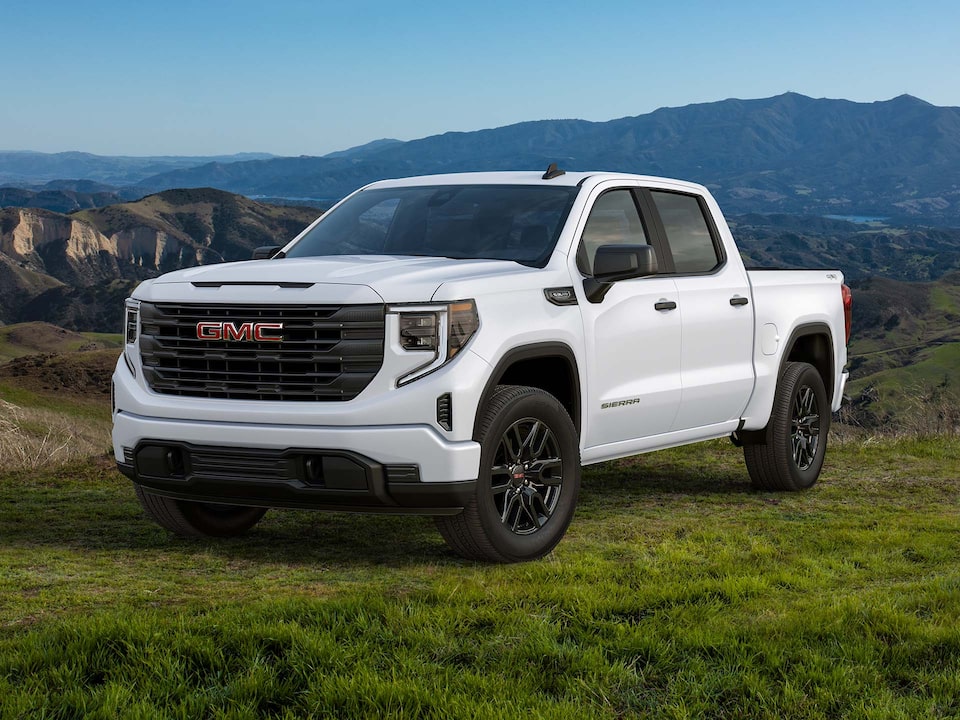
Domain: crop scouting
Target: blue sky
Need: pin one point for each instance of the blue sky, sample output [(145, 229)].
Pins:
[(307, 78)]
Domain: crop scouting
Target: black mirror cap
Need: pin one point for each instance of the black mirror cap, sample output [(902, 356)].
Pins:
[(265, 252), (623, 262)]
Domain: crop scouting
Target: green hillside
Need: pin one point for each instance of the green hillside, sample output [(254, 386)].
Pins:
[(39, 337), (905, 351)]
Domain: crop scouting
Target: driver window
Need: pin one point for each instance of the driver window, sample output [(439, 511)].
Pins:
[(614, 220)]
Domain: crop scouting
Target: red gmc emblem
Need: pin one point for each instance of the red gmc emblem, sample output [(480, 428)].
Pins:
[(258, 331)]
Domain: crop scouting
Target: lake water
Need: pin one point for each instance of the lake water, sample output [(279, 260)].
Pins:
[(856, 218)]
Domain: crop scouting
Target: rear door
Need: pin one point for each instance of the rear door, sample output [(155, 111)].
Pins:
[(632, 347), (716, 357)]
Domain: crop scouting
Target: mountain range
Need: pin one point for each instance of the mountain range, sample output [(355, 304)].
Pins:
[(789, 154), (897, 159), (27, 166)]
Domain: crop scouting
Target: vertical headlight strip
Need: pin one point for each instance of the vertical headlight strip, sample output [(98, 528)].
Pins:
[(131, 332), (464, 322), (442, 329)]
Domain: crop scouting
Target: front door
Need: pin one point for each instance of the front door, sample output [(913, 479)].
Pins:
[(632, 336)]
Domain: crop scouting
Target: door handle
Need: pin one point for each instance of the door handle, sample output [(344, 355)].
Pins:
[(663, 304), (737, 300)]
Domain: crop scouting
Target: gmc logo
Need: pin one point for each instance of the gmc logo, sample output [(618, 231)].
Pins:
[(258, 331)]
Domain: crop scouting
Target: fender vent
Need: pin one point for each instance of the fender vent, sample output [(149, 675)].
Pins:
[(445, 412)]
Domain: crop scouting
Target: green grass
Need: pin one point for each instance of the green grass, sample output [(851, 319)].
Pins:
[(68, 405), (113, 340), (678, 592), (921, 397), (13, 345)]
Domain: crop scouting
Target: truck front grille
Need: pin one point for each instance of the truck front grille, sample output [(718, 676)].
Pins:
[(327, 353)]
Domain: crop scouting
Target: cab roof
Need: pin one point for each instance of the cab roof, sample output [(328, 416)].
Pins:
[(527, 178)]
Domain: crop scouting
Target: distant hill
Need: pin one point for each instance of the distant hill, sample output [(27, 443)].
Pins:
[(905, 347), (861, 250), (60, 200), (74, 270), (34, 338), (35, 167), (365, 149), (790, 154)]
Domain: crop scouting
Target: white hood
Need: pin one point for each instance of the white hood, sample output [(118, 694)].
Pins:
[(340, 279)]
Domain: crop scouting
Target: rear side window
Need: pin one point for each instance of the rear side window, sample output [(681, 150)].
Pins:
[(688, 234), (614, 220)]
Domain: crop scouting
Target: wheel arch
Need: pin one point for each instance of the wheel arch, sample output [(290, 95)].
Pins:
[(550, 366), (811, 343)]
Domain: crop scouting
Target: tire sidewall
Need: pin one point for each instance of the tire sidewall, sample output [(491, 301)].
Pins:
[(805, 376), (543, 407)]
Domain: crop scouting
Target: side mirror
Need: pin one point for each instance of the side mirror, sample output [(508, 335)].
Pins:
[(265, 252), (613, 263), (623, 262)]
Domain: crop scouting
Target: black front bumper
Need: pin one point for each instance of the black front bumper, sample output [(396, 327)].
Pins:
[(295, 478)]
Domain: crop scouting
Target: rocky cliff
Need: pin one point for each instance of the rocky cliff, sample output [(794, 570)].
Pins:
[(50, 260)]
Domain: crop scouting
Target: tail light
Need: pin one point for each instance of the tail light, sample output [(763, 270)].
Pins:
[(847, 309)]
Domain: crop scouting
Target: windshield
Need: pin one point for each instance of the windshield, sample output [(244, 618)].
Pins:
[(499, 222)]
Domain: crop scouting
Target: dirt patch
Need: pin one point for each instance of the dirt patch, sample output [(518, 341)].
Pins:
[(44, 337), (84, 374)]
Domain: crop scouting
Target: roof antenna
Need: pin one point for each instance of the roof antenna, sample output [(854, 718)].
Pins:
[(553, 172)]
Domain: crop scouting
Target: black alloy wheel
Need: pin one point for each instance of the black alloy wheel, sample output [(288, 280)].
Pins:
[(529, 479), (527, 476), (789, 453), (805, 430)]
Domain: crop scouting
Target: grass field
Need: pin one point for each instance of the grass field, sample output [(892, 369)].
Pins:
[(679, 592), (38, 337), (54, 408)]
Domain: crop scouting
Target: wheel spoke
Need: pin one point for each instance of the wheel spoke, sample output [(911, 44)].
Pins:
[(526, 449), (511, 443), (547, 471), (798, 452), (538, 449), (516, 517), (527, 505), (508, 503), (805, 427), (527, 475), (539, 505), (499, 478)]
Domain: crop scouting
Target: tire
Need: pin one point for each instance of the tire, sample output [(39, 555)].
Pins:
[(198, 520), (529, 479), (795, 439)]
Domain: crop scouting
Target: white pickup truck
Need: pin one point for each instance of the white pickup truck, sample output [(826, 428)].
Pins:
[(459, 345)]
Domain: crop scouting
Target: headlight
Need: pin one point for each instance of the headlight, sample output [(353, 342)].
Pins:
[(419, 331), (131, 332), (132, 322), (439, 329)]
